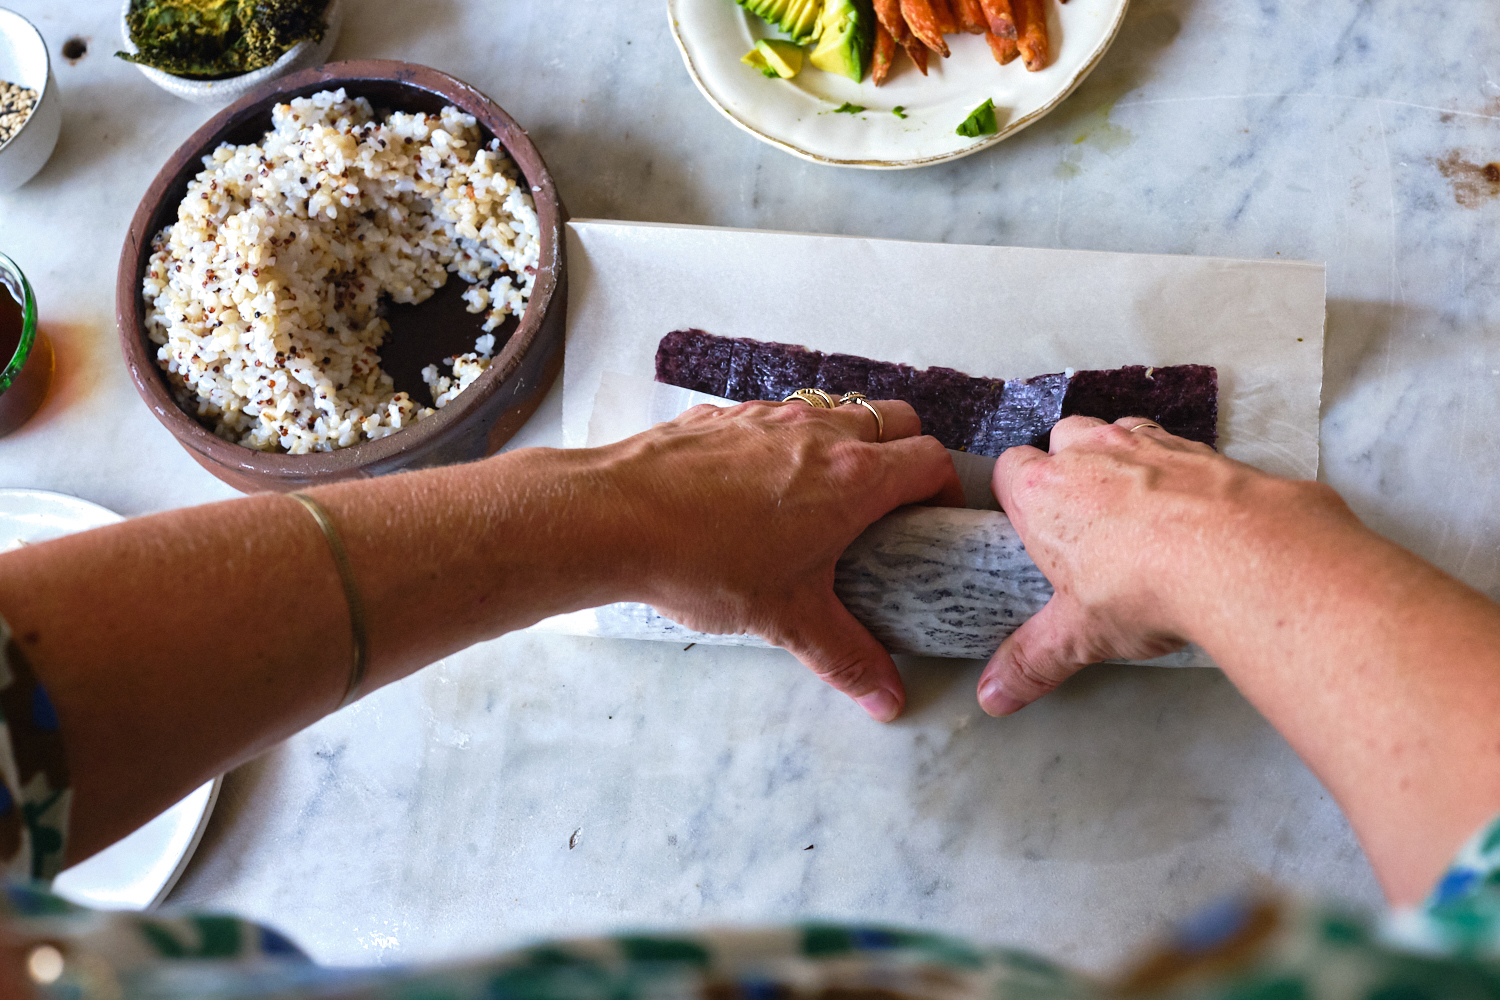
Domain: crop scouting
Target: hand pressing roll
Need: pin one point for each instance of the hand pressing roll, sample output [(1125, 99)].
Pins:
[(1381, 671), (739, 515), (1095, 514)]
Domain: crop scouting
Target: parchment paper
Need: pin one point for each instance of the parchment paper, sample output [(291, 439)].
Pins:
[(1002, 312)]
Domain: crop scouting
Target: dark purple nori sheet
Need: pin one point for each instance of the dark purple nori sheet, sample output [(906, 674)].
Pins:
[(981, 415), (769, 371), (1184, 399), (695, 360)]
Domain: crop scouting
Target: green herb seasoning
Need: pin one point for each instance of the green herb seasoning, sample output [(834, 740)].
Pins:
[(848, 109), (981, 121), (213, 39), (899, 111)]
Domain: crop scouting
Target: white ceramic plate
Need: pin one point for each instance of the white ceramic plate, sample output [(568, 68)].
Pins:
[(798, 115), (139, 871)]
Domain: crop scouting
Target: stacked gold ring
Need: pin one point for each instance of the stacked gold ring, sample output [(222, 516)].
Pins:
[(816, 398)]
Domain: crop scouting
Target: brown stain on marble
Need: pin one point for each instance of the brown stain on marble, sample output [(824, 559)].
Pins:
[(80, 359), (1473, 183)]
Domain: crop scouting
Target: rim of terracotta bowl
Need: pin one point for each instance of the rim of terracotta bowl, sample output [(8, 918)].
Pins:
[(410, 442)]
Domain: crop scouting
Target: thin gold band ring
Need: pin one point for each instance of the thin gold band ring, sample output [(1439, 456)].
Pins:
[(863, 400), (1147, 423)]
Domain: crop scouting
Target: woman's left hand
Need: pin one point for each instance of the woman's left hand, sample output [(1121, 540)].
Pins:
[(737, 516)]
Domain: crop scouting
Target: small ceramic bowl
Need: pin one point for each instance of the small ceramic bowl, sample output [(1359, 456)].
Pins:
[(24, 61), (301, 56), (478, 420)]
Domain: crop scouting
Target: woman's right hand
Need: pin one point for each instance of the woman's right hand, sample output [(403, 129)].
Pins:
[(1135, 529)]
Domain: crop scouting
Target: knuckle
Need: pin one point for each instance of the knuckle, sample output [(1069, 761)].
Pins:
[(1314, 494), (846, 673), (899, 409), (793, 413), (930, 449), (1077, 424), (857, 461), (755, 408), (1038, 673)]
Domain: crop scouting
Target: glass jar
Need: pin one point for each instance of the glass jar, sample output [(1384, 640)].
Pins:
[(26, 375)]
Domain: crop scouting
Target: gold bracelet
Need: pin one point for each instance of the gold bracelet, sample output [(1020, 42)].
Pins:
[(351, 593)]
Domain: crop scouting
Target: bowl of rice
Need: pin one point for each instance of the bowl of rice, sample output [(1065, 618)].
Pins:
[(354, 271)]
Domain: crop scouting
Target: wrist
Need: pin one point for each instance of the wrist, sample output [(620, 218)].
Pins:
[(1261, 557), (575, 517)]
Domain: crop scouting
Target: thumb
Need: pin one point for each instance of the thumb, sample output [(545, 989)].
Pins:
[(836, 647), (1034, 659)]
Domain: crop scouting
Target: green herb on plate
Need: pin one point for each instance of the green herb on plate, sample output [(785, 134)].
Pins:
[(213, 39), (899, 111), (981, 121), (848, 109)]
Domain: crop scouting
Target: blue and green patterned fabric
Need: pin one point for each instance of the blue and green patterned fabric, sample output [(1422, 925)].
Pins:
[(1249, 948)]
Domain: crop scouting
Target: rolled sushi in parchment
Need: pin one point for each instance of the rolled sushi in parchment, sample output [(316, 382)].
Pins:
[(932, 581)]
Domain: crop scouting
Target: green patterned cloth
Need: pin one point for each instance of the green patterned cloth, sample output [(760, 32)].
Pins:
[(1241, 949)]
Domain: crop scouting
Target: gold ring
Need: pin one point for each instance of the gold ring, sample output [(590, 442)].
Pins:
[(863, 400), (816, 398), (1147, 423)]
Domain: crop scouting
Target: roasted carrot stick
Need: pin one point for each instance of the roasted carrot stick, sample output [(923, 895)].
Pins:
[(1002, 22), (946, 22), (970, 15), (888, 15), (917, 51), (923, 22), (1031, 32), (885, 52), (1004, 49)]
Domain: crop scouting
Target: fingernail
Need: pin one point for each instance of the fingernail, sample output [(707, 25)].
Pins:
[(881, 705), (995, 701)]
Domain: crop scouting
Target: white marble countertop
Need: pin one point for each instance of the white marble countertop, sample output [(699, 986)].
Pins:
[(546, 785)]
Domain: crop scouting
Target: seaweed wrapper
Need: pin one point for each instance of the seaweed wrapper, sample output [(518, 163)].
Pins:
[(993, 312)]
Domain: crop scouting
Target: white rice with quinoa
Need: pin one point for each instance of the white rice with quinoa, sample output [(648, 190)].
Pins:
[(265, 295)]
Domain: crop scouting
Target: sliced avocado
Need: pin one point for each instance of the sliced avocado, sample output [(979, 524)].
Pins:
[(846, 38), (797, 18), (756, 59), (771, 10), (784, 58), (801, 21)]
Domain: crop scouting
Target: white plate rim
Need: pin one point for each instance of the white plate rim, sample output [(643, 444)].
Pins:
[(86, 515), (1010, 129)]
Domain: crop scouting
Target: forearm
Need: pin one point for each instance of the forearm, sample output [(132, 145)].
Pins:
[(1380, 670), (177, 646)]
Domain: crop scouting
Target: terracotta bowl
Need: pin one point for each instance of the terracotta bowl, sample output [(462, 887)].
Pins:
[(478, 420)]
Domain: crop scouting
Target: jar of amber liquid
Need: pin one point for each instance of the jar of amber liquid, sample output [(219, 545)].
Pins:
[(25, 352)]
